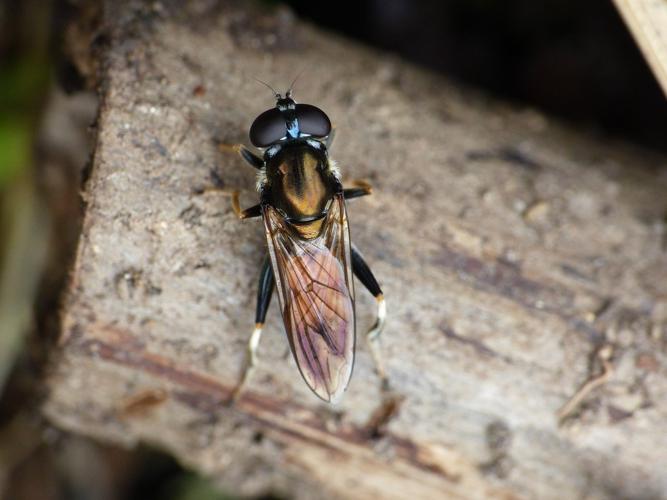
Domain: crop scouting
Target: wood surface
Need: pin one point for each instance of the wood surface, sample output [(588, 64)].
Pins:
[(521, 260), (647, 21)]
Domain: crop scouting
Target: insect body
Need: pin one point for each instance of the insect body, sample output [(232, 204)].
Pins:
[(310, 256)]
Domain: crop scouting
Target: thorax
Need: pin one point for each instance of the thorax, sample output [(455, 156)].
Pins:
[(300, 185)]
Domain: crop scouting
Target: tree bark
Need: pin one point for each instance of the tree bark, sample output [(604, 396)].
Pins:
[(512, 251)]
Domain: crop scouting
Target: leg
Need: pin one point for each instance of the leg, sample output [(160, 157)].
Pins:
[(248, 213), (264, 293), (245, 153), (364, 274), (251, 157), (362, 188)]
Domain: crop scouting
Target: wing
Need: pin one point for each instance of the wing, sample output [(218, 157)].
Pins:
[(315, 288)]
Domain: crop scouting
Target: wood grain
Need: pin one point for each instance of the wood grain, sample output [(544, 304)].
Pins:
[(510, 249)]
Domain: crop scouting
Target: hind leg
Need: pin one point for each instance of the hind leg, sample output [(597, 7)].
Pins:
[(365, 275), (264, 293)]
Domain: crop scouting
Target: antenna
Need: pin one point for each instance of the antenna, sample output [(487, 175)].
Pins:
[(275, 94), (289, 90)]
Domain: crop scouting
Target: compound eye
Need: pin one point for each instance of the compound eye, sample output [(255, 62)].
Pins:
[(312, 120), (269, 127)]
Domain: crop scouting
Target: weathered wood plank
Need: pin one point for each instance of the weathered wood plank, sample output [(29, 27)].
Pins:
[(510, 249)]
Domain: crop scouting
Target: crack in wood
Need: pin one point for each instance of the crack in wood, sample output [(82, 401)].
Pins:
[(206, 395)]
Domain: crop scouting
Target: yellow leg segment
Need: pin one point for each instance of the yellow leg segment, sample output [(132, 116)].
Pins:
[(250, 361), (373, 337)]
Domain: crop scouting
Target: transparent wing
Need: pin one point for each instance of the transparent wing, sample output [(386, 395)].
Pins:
[(314, 278)]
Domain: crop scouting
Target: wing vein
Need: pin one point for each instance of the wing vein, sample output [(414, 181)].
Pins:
[(316, 296)]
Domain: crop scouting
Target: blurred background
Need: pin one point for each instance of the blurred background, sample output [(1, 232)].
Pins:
[(573, 60)]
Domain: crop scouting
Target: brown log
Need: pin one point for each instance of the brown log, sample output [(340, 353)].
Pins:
[(512, 251)]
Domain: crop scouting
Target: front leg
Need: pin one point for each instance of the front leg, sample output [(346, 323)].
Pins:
[(251, 158), (254, 160)]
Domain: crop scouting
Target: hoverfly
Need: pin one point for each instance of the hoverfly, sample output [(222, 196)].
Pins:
[(310, 258)]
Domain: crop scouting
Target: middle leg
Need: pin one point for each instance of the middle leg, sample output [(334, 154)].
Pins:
[(361, 188), (248, 213)]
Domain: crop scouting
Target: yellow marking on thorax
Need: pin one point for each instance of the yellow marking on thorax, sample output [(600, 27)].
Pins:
[(311, 198)]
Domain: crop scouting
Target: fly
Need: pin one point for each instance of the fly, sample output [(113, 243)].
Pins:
[(310, 259)]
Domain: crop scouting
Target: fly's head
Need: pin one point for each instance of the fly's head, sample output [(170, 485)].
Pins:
[(288, 122)]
